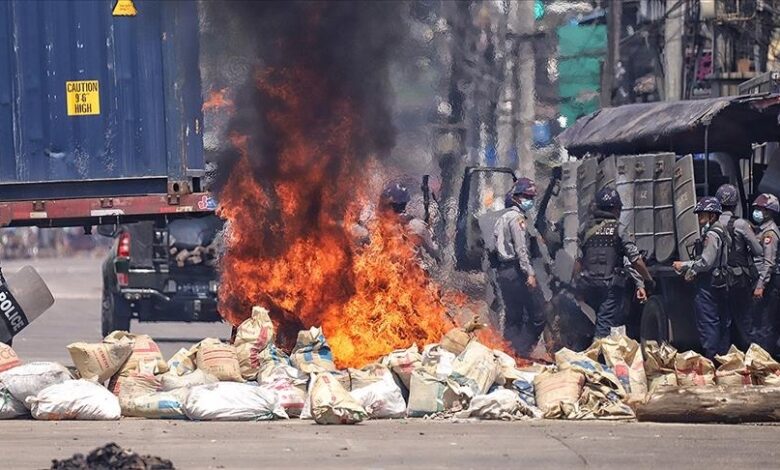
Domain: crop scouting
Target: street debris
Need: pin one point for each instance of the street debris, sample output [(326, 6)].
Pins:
[(111, 456), (253, 380)]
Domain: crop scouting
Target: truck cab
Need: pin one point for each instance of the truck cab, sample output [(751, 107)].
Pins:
[(162, 271)]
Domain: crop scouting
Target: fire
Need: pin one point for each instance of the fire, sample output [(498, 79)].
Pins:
[(217, 101), (290, 247)]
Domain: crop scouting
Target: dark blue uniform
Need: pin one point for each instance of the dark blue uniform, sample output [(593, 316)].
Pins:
[(711, 302), (602, 281)]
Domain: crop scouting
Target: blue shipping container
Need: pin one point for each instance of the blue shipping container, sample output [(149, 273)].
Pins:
[(86, 97)]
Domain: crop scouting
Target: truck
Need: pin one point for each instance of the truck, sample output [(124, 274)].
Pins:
[(101, 124), (100, 114), (661, 157), (158, 271)]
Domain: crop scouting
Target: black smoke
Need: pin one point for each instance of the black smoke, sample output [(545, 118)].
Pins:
[(348, 45)]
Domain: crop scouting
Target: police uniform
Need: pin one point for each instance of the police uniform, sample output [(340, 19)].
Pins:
[(711, 302), (765, 311), (522, 305), (603, 246), (744, 247)]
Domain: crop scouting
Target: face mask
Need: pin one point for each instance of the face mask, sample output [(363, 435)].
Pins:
[(758, 216), (526, 205), (705, 227)]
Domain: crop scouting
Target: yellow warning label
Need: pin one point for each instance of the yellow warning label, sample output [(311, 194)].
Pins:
[(124, 8), (83, 97)]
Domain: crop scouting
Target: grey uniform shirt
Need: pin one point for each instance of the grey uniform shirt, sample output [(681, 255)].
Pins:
[(711, 255), (769, 240), (743, 232), (511, 235)]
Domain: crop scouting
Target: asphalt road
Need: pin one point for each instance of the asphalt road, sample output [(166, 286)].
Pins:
[(75, 316)]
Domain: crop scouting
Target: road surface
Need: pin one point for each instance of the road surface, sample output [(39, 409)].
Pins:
[(378, 444)]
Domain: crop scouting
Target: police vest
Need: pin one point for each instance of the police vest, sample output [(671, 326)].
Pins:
[(601, 249), (738, 252)]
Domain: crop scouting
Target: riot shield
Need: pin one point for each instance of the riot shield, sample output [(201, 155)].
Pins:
[(586, 188), (624, 183), (663, 200), (687, 223), (571, 221), (607, 173), (644, 221)]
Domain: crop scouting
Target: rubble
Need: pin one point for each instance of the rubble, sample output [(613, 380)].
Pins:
[(255, 380), (111, 456)]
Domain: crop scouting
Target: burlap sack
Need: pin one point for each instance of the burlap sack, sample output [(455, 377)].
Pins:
[(312, 353), (218, 359), (183, 362), (426, 394), (135, 384), (437, 361), (100, 361), (172, 381), (144, 349), (252, 337), (8, 358), (474, 371), (693, 369), (556, 390), (659, 365), (368, 375), (271, 358), (402, 362), (733, 371), (157, 405), (624, 356), (764, 369), (331, 404), (455, 340)]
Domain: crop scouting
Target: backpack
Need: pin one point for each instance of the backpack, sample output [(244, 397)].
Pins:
[(722, 277)]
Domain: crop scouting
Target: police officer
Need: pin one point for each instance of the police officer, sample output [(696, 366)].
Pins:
[(709, 269), (743, 276), (395, 199), (599, 270), (519, 291), (766, 291)]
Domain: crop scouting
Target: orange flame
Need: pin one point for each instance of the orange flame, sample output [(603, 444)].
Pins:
[(289, 243)]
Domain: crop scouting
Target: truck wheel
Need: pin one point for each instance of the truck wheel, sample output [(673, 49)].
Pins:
[(115, 313), (654, 325)]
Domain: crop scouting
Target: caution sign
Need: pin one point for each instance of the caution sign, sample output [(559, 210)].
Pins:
[(124, 8), (83, 97)]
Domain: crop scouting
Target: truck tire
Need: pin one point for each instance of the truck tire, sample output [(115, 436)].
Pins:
[(654, 325), (115, 313)]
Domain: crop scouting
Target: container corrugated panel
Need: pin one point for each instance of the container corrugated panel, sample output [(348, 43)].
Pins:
[(148, 92)]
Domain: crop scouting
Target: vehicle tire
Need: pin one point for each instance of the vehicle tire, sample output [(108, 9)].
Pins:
[(654, 324), (115, 313)]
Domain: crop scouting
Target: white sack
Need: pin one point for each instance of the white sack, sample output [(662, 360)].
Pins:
[(29, 379), (382, 399), (232, 401), (75, 399)]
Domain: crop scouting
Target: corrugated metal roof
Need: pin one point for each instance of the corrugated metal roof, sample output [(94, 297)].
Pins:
[(677, 126)]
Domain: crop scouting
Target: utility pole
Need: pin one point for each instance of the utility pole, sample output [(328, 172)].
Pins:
[(505, 109), (614, 28), (521, 26), (673, 50)]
